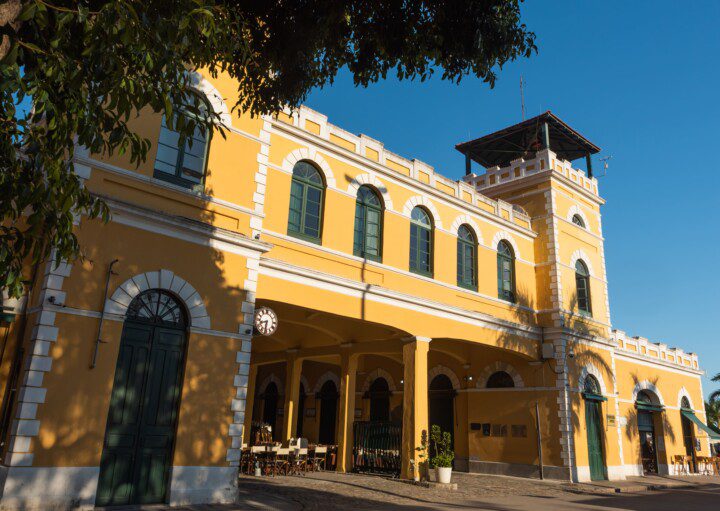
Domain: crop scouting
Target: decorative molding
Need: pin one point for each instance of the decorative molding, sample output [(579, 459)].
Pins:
[(592, 369), (161, 279), (379, 373), (329, 375), (575, 210), (313, 156), (505, 236), (579, 254), (441, 369), (648, 385), (498, 367), (267, 381), (201, 84), (683, 392), (467, 219), (369, 179), (305, 383), (420, 200)]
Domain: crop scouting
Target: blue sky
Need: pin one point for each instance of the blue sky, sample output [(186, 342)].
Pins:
[(640, 79)]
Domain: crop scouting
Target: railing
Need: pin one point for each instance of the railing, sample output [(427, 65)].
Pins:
[(376, 447)]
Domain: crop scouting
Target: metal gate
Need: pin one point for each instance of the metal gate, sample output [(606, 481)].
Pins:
[(376, 447)]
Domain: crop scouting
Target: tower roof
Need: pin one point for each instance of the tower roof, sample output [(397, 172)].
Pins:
[(525, 138)]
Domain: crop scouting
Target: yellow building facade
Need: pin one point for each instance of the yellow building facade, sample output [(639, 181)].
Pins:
[(136, 374)]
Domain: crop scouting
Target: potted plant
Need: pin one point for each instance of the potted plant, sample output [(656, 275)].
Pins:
[(443, 455)]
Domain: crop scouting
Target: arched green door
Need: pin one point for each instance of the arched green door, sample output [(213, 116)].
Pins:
[(594, 427), (141, 426)]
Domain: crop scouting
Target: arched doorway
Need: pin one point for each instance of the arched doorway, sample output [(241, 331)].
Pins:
[(379, 394), (646, 405), (142, 420), (441, 404), (270, 405), (301, 412), (688, 431), (328, 397), (592, 394)]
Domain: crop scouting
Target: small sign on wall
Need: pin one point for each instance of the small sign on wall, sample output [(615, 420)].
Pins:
[(309, 412), (358, 413), (611, 420)]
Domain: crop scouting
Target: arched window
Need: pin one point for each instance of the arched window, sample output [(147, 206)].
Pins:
[(421, 242), (577, 220), (500, 380), (685, 403), (582, 284), (506, 271), (306, 202), (158, 307), (466, 258), (592, 386), (644, 398), (368, 224), (181, 160)]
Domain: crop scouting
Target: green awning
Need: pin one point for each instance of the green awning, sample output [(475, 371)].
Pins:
[(700, 424), (648, 407)]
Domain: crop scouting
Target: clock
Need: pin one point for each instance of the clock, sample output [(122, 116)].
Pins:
[(266, 321)]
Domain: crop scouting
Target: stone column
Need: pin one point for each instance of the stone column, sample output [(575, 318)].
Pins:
[(249, 402), (346, 409), (293, 371), (415, 402)]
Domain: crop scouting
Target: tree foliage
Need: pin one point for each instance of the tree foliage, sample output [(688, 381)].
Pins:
[(89, 66)]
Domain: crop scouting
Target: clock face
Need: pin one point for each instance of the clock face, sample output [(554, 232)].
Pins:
[(266, 321)]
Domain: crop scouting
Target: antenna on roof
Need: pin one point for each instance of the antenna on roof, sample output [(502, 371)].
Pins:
[(606, 163), (522, 96)]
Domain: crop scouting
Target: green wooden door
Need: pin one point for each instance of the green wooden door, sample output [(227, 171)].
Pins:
[(137, 452), (593, 420)]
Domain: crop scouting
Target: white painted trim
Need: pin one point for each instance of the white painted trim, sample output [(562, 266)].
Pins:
[(406, 273), (575, 210), (420, 200), (505, 236), (379, 373), (581, 255), (162, 184), (314, 278), (267, 381), (636, 358), (495, 368), (648, 385), (43, 488), (467, 219), (441, 369), (161, 279), (219, 105), (592, 369), (312, 156), (203, 485), (683, 392), (329, 375), (369, 179)]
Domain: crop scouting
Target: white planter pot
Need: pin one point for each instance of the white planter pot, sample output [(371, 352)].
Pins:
[(443, 474)]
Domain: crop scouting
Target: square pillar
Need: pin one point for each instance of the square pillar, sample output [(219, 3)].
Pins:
[(415, 403), (346, 410), (293, 371), (249, 402)]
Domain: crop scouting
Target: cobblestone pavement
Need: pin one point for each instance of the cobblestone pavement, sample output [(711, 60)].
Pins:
[(320, 491), (328, 490)]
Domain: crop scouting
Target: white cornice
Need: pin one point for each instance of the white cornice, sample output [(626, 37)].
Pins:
[(365, 163), (314, 278)]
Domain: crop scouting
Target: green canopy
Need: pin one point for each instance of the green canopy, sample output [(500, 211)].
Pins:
[(700, 424)]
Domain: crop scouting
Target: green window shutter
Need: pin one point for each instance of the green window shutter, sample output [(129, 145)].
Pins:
[(359, 234), (306, 203), (181, 161)]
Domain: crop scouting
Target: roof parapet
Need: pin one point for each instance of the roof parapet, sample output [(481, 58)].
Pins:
[(655, 350)]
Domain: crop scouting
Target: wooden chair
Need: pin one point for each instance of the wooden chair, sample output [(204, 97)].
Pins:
[(319, 458), (679, 465), (282, 461)]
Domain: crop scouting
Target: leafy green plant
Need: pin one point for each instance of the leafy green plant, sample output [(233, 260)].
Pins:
[(76, 73), (441, 443)]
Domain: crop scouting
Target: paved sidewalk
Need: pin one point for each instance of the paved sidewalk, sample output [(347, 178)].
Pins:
[(329, 490)]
